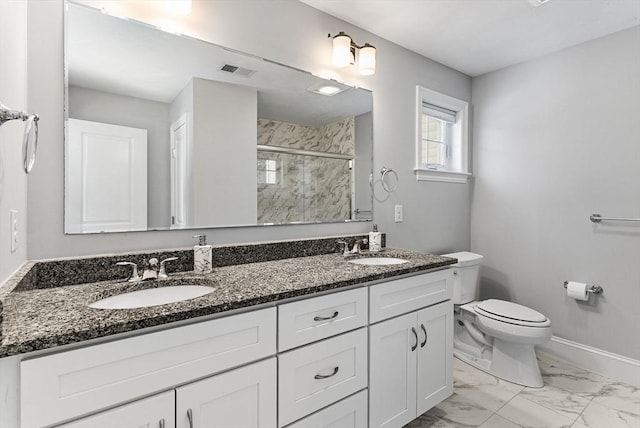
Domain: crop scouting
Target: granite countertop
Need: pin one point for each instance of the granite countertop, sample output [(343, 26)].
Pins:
[(37, 319)]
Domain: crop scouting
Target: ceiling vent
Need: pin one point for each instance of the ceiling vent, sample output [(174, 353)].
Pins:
[(238, 71)]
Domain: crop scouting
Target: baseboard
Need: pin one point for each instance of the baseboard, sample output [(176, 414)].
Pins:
[(614, 366)]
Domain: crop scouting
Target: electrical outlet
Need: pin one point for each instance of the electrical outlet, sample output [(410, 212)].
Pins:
[(398, 213), (13, 219)]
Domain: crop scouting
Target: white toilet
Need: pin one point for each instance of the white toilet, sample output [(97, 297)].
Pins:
[(495, 336)]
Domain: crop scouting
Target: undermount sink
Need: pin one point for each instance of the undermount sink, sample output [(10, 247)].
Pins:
[(378, 261), (152, 297)]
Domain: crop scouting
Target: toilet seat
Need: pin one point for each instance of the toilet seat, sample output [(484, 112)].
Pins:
[(511, 313)]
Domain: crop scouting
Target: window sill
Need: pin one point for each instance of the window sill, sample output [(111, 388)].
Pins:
[(442, 176)]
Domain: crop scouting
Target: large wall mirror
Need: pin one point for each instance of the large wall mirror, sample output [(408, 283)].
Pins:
[(167, 132)]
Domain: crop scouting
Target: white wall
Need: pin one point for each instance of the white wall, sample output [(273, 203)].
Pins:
[(13, 93), (436, 215), (225, 118), (557, 139)]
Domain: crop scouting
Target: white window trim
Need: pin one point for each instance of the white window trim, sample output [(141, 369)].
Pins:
[(462, 109)]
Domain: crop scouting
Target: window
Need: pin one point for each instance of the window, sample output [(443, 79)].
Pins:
[(442, 141), (267, 171)]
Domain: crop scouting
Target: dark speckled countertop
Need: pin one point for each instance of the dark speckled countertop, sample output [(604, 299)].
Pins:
[(41, 318)]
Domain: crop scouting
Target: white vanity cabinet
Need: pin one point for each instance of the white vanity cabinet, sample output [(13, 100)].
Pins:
[(370, 356), (411, 355)]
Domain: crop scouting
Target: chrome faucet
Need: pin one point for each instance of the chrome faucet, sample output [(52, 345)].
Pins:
[(345, 253), (163, 272), (134, 274), (356, 246)]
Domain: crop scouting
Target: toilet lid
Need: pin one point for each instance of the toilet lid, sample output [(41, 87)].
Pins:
[(505, 311)]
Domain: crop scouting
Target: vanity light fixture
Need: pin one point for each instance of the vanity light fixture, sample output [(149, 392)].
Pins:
[(345, 50), (178, 7)]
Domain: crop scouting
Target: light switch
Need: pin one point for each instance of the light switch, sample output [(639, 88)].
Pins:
[(398, 213)]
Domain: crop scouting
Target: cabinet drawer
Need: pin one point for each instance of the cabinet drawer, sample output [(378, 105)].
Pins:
[(348, 413), (317, 318), (69, 384), (408, 294), (317, 375)]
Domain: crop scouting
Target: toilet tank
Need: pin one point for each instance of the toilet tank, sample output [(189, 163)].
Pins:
[(466, 276)]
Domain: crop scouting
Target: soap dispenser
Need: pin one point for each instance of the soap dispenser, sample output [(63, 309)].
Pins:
[(375, 240), (202, 255)]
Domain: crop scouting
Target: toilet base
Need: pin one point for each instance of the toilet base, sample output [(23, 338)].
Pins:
[(513, 362), (517, 365)]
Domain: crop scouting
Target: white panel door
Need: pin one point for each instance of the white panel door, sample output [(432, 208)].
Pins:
[(179, 172), (241, 398), (153, 412), (392, 379), (106, 177), (435, 355)]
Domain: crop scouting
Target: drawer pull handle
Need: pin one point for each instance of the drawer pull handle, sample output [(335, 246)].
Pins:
[(335, 372), (415, 334), (424, 330), (161, 423), (317, 318), (190, 417)]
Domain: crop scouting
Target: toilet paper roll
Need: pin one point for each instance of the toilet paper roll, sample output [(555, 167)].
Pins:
[(577, 290)]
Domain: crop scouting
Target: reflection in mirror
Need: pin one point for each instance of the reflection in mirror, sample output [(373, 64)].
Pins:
[(166, 131)]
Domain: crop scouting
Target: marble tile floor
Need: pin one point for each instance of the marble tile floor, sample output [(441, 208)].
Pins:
[(571, 397)]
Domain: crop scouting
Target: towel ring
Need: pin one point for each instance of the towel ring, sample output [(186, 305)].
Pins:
[(383, 172), (30, 139)]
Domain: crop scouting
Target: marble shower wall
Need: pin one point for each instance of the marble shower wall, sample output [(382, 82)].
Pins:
[(295, 188)]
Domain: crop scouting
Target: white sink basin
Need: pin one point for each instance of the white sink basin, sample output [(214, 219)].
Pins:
[(152, 297), (378, 261)]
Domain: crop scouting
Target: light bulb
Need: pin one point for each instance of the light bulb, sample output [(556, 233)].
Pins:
[(341, 50), (367, 60)]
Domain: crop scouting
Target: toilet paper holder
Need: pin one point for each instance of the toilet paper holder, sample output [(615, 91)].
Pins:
[(594, 289)]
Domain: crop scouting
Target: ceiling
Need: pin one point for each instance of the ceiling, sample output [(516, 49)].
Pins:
[(479, 36), (119, 56)]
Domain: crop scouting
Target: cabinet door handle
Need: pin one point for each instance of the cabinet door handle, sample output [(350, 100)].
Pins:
[(190, 417), (335, 372), (318, 318), (424, 330), (161, 423), (415, 334)]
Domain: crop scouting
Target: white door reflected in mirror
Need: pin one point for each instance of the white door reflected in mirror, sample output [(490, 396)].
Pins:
[(106, 177)]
